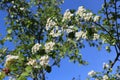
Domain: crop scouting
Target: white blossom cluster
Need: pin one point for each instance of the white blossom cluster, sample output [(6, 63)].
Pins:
[(69, 29), (80, 34), (96, 18), (55, 32), (105, 77), (10, 58), (32, 62), (96, 36), (118, 75), (36, 48), (92, 73), (67, 15), (105, 66), (49, 46), (44, 60), (22, 8), (50, 24), (87, 16)]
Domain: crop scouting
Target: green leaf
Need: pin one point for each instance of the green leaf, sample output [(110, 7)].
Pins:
[(9, 31), (28, 69), (108, 49), (2, 75), (25, 74), (48, 69), (22, 78)]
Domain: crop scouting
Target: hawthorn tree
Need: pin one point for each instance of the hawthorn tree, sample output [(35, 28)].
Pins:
[(42, 36)]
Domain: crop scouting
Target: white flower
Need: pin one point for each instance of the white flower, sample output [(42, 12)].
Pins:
[(44, 60), (80, 34), (9, 59), (12, 16), (88, 16), (105, 66), (14, 6), (32, 62), (80, 11), (21, 8), (69, 29), (96, 36), (92, 73), (49, 46), (96, 79), (96, 18), (118, 75), (55, 33), (12, 78), (67, 15), (50, 23), (36, 48), (105, 77), (12, 2)]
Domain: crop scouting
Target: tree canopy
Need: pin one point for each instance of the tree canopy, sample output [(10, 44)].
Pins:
[(42, 36)]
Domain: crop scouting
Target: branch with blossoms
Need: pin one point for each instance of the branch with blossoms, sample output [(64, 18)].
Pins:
[(45, 36)]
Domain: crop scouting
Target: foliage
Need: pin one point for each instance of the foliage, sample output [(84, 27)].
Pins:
[(42, 36)]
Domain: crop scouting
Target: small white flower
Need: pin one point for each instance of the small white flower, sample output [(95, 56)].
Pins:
[(67, 15), (12, 16), (12, 78), (12, 2), (92, 73), (44, 60), (80, 11), (105, 66), (50, 24), (32, 62), (22, 8), (55, 33), (49, 46), (96, 18), (118, 76), (80, 34), (14, 6), (36, 48), (69, 29), (9, 59), (96, 79), (96, 36), (88, 16), (105, 77)]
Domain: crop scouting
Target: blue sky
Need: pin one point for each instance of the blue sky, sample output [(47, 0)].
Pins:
[(68, 70)]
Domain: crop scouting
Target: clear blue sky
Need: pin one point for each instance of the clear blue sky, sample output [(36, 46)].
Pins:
[(68, 70)]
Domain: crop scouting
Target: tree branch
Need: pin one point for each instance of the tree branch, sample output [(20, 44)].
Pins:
[(115, 60), (104, 29)]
